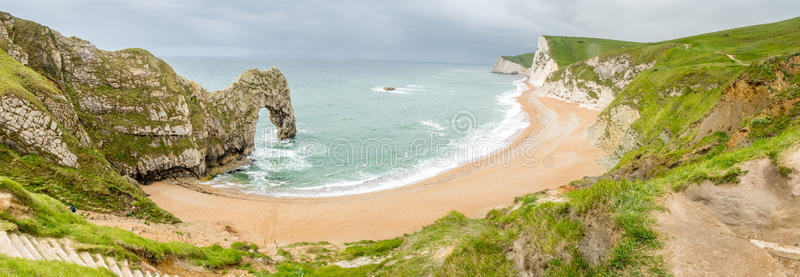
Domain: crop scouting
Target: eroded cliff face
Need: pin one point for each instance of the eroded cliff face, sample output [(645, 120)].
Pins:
[(593, 83), (543, 64), (147, 121), (504, 66)]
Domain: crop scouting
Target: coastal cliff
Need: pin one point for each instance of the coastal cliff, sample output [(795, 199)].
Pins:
[(148, 122), (593, 82), (505, 66)]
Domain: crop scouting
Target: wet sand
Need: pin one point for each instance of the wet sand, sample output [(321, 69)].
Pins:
[(549, 153)]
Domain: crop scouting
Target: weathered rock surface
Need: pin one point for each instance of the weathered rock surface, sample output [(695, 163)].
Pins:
[(613, 134), (593, 83), (543, 64), (504, 66), (751, 224), (149, 122)]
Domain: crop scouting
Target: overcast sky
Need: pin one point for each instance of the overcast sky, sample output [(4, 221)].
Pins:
[(417, 30)]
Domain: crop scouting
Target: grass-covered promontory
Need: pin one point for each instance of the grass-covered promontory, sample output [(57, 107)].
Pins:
[(568, 50), (525, 60)]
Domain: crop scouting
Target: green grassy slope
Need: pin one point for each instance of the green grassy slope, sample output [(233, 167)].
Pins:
[(524, 59), (549, 234), (568, 50), (700, 70), (50, 218), (23, 267), (697, 68), (94, 186)]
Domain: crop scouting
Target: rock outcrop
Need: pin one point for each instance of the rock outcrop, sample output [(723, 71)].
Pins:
[(543, 64), (593, 83), (613, 134), (149, 122), (505, 66)]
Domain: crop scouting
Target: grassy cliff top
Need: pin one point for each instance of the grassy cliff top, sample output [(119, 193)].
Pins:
[(568, 50), (524, 59)]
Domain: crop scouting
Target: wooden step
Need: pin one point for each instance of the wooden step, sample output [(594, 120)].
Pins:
[(6, 247), (17, 242), (27, 242)]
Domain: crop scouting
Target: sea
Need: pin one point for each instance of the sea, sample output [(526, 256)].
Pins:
[(355, 134)]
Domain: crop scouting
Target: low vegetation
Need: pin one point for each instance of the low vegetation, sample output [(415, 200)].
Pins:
[(47, 217), (524, 59), (24, 267)]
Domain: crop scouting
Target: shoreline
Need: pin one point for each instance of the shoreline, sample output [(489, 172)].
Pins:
[(560, 154), (511, 141)]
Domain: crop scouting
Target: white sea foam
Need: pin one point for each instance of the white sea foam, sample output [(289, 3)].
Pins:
[(433, 125), (501, 134)]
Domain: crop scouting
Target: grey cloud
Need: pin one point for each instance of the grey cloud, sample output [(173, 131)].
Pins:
[(433, 30)]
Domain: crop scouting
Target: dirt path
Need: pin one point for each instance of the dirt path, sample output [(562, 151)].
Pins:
[(733, 58)]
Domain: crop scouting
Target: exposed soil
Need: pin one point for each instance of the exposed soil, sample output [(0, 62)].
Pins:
[(752, 226)]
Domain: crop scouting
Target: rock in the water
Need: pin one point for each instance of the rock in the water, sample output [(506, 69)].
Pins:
[(147, 121), (389, 89)]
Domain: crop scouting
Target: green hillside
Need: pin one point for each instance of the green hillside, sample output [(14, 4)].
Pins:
[(680, 142), (700, 69), (524, 59), (685, 84), (568, 50)]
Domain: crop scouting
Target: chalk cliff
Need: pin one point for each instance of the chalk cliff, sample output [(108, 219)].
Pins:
[(66, 96), (505, 66)]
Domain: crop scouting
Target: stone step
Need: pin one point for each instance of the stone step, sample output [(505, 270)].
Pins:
[(126, 271), (98, 260), (17, 245), (27, 242), (73, 257), (17, 242), (44, 249), (87, 259), (6, 247), (113, 266), (62, 256)]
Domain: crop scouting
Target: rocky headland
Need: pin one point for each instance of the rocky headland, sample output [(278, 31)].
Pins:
[(130, 106)]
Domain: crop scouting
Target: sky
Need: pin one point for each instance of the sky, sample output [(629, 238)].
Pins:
[(463, 31)]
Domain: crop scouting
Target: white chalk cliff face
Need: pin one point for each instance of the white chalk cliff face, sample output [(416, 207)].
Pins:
[(542, 64), (593, 83), (504, 66)]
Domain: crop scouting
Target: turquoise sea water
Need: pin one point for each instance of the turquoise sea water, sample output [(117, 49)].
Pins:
[(354, 137)]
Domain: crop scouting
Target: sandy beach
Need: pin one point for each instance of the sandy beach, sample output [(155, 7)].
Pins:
[(549, 153)]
